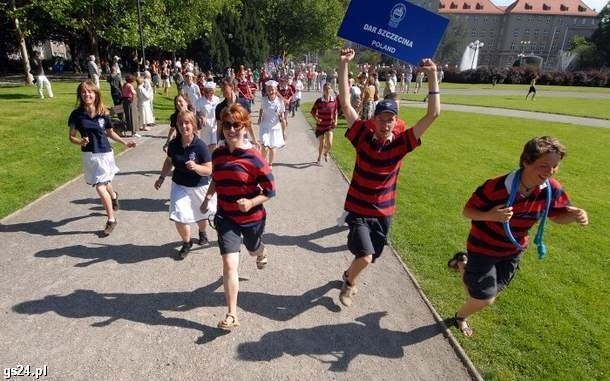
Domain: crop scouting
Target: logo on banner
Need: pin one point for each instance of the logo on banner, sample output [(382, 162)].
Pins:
[(398, 13)]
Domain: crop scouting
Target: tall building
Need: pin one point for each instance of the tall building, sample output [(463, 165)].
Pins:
[(526, 27)]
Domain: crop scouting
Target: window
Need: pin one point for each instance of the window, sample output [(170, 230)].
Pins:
[(528, 6), (546, 7), (516, 33), (563, 8), (584, 21)]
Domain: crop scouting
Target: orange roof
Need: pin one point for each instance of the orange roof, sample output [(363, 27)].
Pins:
[(540, 7), (551, 7), (468, 6)]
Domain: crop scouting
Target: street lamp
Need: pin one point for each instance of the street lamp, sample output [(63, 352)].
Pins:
[(476, 45), (524, 44)]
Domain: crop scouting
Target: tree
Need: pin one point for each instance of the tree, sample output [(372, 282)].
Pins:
[(601, 36), (587, 51), (453, 43)]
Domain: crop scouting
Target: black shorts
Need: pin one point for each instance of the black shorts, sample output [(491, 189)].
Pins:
[(486, 276), (230, 235), (367, 235)]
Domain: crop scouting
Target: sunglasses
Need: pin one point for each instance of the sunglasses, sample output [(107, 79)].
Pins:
[(226, 125)]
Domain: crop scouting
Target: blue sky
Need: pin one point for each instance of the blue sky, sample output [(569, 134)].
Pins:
[(595, 4)]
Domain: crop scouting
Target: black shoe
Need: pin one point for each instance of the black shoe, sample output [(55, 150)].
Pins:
[(203, 238), (115, 202), (110, 225), (184, 250)]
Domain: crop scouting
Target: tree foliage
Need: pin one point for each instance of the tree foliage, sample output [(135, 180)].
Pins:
[(453, 43), (601, 36)]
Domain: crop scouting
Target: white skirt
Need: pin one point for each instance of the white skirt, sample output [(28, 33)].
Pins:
[(271, 137), (99, 167), (208, 135), (184, 204)]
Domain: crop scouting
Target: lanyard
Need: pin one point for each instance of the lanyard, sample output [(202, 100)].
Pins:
[(511, 199)]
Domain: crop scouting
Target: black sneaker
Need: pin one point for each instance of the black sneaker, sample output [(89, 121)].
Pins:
[(115, 202), (203, 238), (110, 225), (184, 250)]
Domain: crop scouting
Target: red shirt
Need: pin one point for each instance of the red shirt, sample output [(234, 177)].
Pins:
[(241, 174), (326, 111), (488, 237), (372, 190), (244, 89)]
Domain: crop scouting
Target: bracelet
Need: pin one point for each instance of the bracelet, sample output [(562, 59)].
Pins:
[(433, 92)]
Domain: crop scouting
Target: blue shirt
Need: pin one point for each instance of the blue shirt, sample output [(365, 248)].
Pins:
[(196, 151), (92, 128)]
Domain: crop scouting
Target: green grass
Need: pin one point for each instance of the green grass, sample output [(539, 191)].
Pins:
[(551, 322), (591, 108), (37, 156), (524, 87)]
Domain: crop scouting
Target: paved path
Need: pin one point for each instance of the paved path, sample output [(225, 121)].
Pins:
[(120, 308)]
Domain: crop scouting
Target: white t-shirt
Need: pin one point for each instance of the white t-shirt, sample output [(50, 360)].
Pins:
[(208, 108), (272, 109)]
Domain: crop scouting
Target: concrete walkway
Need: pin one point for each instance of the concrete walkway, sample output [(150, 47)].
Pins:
[(119, 308)]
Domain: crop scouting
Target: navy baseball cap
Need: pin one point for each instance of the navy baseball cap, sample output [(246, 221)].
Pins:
[(386, 105)]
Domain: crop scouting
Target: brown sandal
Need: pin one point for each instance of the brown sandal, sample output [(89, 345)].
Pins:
[(229, 322), (459, 257), (464, 328), (262, 260)]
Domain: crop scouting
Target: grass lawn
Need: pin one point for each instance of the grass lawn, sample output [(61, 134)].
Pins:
[(591, 108), (524, 87), (37, 156), (551, 322)]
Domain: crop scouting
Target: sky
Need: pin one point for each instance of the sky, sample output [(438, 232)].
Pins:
[(595, 4)]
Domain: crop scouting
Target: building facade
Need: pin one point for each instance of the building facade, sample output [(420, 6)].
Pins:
[(526, 27)]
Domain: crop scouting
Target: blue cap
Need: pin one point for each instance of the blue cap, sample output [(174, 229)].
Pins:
[(386, 105)]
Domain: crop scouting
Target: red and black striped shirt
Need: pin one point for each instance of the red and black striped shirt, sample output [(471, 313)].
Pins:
[(326, 111), (372, 190), (241, 174), (488, 237)]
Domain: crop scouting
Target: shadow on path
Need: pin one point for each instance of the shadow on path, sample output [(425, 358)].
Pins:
[(296, 165), (151, 174), (122, 254), (147, 308), (134, 205), (306, 240), (343, 342), (47, 227)]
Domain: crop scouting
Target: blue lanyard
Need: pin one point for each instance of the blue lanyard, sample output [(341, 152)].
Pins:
[(511, 199)]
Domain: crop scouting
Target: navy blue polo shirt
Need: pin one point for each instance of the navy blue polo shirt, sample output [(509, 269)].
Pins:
[(196, 151), (93, 128)]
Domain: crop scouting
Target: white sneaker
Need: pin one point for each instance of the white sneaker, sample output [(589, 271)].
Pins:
[(341, 219), (137, 135)]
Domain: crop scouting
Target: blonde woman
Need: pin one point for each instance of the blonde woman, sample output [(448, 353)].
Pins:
[(93, 125), (272, 122)]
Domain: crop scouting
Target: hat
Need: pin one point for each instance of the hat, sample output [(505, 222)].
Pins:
[(386, 105), (209, 85), (271, 83), (189, 74)]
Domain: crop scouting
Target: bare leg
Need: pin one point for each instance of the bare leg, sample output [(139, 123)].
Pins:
[(328, 137), (320, 148), (230, 280), (203, 225), (272, 153), (184, 230), (103, 192), (357, 266)]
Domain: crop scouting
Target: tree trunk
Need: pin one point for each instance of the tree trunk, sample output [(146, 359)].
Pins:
[(25, 59)]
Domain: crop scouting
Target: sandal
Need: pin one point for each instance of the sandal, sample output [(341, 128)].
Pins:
[(230, 321), (459, 257), (464, 328), (262, 260)]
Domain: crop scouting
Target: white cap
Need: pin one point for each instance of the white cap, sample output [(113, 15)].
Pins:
[(271, 83), (209, 85)]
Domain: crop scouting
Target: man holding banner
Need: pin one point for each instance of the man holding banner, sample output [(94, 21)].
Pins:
[(381, 143)]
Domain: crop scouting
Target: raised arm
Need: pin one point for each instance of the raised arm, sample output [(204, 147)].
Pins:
[(434, 99), (348, 111)]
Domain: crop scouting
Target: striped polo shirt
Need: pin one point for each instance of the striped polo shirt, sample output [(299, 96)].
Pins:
[(488, 237), (326, 111), (243, 173), (372, 190)]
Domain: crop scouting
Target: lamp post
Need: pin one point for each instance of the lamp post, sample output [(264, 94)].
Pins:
[(524, 45), (141, 34), (476, 45)]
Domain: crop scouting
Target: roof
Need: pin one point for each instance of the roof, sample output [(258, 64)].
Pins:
[(551, 7), (538, 7), (469, 6)]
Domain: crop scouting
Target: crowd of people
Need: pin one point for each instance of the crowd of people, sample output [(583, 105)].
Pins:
[(222, 172)]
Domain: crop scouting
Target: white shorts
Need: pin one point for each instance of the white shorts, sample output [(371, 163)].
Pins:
[(99, 167), (185, 202)]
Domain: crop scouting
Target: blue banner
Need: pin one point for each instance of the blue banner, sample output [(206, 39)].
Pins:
[(397, 28)]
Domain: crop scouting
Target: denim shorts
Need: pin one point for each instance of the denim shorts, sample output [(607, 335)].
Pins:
[(230, 235), (486, 276), (367, 235)]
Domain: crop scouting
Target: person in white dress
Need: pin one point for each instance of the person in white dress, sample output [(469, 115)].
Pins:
[(206, 112), (272, 123), (145, 94)]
